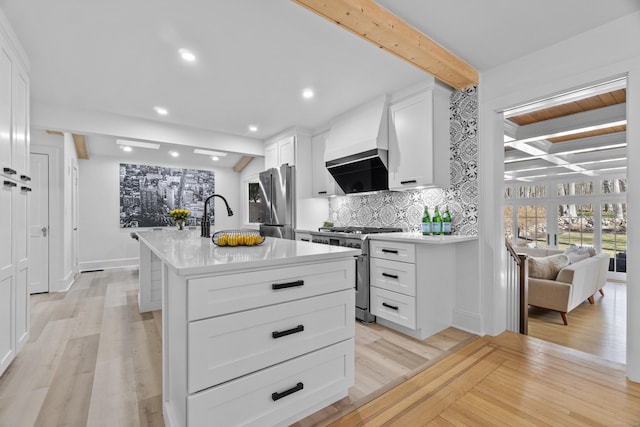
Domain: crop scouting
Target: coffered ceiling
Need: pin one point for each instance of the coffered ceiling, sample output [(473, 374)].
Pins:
[(584, 135)]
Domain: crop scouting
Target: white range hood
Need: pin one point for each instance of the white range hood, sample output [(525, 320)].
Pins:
[(357, 147)]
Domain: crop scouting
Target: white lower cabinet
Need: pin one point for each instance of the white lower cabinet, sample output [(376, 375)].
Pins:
[(257, 347), (279, 395), (412, 286), (237, 344)]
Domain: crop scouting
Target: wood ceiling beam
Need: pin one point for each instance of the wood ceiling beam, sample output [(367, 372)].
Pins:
[(369, 20), (78, 142), (81, 146), (242, 163)]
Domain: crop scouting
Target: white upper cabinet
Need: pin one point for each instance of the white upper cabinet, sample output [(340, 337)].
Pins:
[(323, 184), (280, 153), (419, 140)]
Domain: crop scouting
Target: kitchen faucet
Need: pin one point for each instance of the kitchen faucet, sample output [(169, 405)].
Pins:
[(205, 224)]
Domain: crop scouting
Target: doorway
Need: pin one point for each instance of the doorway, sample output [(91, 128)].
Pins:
[(39, 225), (565, 165)]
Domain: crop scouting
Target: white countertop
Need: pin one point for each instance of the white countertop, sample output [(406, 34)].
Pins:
[(420, 238), (187, 253)]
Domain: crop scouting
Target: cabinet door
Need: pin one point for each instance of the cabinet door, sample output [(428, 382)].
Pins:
[(7, 281), (419, 141), (20, 147), (287, 151), (21, 252), (5, 110), (271, 156), (323, 184)]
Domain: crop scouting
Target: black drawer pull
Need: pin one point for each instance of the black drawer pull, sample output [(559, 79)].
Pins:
[(23, 188), (392, 307), (411, 181), (393, 276), (389, 251), (279, 334), (9, 171), (322, 192), (25, 178), (277, 396), (10, 184), (305, 240), (287, 285)]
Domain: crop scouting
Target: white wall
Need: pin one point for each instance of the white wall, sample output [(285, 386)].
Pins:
[(599, 54), (103, 244)]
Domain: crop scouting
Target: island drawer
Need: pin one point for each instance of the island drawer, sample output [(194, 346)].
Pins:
[(278, 395), (230, 293), (394, 251), (393, 275), (395, 307), (227, 347)]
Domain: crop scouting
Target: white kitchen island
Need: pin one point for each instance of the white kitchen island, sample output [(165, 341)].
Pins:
[(259, 335)]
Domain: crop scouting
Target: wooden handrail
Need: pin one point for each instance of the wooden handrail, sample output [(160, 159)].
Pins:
[(512, 252)]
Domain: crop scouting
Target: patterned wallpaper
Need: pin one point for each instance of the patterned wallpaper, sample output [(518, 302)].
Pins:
[(404, 208)]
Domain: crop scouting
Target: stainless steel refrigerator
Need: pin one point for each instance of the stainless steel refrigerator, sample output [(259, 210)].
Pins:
[(277, 202)]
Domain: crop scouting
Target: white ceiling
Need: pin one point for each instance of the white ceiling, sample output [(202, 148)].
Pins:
[(255, 56)]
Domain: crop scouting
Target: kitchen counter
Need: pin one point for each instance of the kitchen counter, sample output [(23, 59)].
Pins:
[(186, 252), (268, 328), (420, 238)]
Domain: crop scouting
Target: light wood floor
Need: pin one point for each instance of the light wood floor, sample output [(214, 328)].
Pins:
[(93, 360), (599, 328)]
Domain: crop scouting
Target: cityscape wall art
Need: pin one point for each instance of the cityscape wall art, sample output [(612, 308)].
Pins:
[(149, 193)]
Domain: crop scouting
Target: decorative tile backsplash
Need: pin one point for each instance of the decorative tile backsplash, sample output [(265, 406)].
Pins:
[(404, 208)]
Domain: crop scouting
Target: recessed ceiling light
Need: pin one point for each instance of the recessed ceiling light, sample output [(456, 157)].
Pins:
[(139, 144), (215, 158), (209, 152), (126, 148), (174, 153), (161, 110), (253, 128), (307, 93), (187, 55)]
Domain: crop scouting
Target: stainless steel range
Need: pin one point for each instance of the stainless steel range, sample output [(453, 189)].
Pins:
[(354, 237)]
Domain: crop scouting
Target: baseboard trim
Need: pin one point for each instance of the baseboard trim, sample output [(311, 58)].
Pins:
[(107, 264), (467, 321)]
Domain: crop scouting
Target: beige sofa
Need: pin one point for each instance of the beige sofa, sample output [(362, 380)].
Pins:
[(573, 284)]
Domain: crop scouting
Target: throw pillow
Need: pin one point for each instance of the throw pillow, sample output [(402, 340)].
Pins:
[(575, 257), (547, 267)]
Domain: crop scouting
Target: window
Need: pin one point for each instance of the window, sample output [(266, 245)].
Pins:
[(609, 186), (575, 188), (254, 202), (575, 225), (614, 235), (532, 191), (532, 226)]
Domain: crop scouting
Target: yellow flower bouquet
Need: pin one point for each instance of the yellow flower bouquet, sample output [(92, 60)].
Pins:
[(180, 216)]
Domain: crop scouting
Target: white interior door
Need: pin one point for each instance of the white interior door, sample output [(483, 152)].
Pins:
[(74, 219), (39, 227)]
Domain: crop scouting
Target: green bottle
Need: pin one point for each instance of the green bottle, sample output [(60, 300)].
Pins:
[(426, 222), (436, 223), (446, 222)]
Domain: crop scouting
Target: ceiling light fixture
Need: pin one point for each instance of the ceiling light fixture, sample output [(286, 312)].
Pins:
[(215, 158), (187, 55), (127, 148), (307, 93), (253, 128), (174, 153), (209, 152), (139, 144), (161, 111)]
